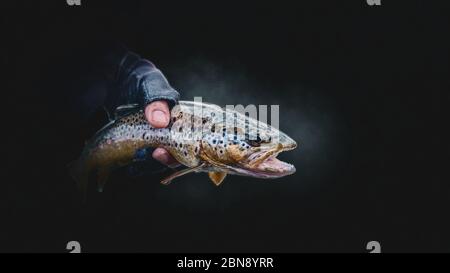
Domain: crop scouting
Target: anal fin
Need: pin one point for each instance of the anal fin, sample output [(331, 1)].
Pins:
[(217, 177)]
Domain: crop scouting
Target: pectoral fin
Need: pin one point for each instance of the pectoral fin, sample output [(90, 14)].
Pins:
[(217, 177), (167, 180)]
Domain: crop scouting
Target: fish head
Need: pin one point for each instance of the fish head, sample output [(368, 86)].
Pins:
[(245, 146)]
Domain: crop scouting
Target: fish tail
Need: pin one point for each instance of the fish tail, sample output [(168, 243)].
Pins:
[(79, 173)]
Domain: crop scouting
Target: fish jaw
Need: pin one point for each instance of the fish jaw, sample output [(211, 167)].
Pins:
[(264, 164), (273, 168), (270, 168)]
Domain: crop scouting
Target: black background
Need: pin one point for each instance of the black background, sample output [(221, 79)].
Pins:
[(363, 88)]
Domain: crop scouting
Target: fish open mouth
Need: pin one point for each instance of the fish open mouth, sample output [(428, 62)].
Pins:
[(273, 167), (266, 164)]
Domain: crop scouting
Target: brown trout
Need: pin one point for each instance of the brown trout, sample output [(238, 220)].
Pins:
[(203, 137)]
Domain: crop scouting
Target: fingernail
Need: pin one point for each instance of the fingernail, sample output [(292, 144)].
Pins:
[(159, 116)]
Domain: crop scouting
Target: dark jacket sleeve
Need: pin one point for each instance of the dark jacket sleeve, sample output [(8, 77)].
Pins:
[(135, 81)]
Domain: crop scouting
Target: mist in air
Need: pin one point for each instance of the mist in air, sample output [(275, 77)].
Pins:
[(308, 116)]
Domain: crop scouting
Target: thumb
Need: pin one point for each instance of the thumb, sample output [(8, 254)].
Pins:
[(158, 114)]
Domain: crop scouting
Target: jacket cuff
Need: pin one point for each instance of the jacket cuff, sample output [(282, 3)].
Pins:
[(154, 86), (143, 83)]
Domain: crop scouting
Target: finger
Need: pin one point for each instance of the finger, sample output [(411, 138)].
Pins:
[(165, 157), (158, 114)]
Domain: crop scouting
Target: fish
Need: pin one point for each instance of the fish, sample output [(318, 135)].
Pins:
[(201, 136)]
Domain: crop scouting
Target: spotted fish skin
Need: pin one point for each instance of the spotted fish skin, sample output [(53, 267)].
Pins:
[(201, 136)]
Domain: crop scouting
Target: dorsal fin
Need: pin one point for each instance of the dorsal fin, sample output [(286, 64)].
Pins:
[(124, 110), (120, 111)]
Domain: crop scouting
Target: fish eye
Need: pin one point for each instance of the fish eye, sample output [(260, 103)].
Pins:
[(255, 142)]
